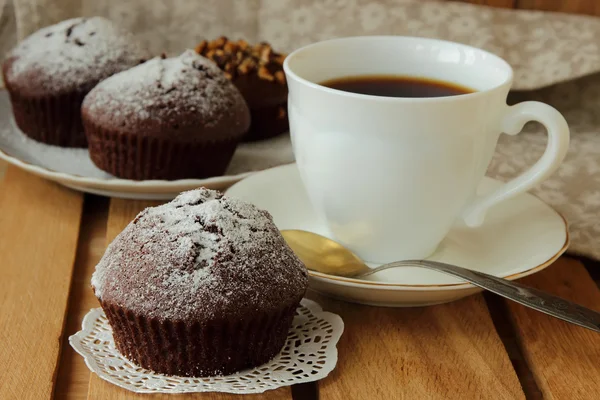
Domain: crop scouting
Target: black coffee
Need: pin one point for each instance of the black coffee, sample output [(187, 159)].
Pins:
[(396, 86)]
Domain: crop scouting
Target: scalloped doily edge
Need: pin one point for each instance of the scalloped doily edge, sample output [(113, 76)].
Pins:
[(315, 309)]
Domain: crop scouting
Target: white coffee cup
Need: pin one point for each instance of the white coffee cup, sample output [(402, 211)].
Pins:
[(390, 176)]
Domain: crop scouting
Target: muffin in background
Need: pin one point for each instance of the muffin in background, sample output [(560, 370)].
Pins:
[(204, 285), (257, 71), (169, 118), (49, 73)]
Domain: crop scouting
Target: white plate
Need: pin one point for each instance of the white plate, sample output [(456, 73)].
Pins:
[(519, 237), (73, 167)]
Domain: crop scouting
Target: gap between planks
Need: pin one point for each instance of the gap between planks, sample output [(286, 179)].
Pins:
[(447, 351), (500, 317), (562, 357), (73, 375)]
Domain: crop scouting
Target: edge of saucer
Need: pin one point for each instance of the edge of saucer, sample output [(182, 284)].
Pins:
[(117, 183), (446, 286)]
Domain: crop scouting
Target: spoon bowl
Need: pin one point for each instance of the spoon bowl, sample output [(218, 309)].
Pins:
[(324, 255)]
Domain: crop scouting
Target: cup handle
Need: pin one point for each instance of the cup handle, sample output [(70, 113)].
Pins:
[(558, 144)]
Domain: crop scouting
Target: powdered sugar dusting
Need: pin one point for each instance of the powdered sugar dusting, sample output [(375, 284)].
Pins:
[(74, 54), (198, 256), (165, 88)]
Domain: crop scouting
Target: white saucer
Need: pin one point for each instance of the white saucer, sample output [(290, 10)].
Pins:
[(519, 237), (74, 168)]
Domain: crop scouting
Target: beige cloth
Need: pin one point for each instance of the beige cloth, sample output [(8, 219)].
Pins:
[(543, 48)]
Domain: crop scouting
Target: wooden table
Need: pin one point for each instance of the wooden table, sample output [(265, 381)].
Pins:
[(479, 347)]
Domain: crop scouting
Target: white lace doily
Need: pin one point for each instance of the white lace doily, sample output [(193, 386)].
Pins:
[(309, 354)]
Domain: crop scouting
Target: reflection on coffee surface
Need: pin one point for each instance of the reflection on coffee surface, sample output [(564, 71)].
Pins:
[(396, 86)]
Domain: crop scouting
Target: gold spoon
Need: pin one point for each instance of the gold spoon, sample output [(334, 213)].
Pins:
[(324, 255)]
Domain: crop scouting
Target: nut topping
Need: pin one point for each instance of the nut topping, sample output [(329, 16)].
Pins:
[(237, 58), (264, 73)]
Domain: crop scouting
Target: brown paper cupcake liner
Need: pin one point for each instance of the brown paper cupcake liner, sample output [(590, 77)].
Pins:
[(191, 349), (267, 122), (54, 120), (139, 157)]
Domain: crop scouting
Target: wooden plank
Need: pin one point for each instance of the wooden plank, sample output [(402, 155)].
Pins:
[(563, 357), (120, 214), (39, 226), (73, 375), (589, 7), (449, 351), (492, 3), (2, 169)]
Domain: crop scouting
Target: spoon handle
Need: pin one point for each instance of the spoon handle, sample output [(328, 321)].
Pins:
[(527, 296)]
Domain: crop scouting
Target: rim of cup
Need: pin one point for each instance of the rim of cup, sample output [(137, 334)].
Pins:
[(476, 93)]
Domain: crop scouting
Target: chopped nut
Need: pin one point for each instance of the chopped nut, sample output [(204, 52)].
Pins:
[(228, 75), (230, 47), (246, 66), (229, 67), (265, 54), (201, 47), (243, 45), (210, 53), (280, 77), (220, 57), (220, 42), (279, 59), (264, 73)]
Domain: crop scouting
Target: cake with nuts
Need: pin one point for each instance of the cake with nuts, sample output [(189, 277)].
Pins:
[(204, 285), (257, 71), (49, 73), (169, 118)]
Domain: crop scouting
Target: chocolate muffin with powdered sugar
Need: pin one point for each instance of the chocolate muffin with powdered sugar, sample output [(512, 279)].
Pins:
[(49, 73), (169, 118), (204, 285)]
